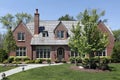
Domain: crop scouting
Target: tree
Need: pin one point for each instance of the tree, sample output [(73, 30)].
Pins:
[(9, 20), (117, 35), (67, 17), (116, 50), (1, 40), (3, 55), (9, 42), (88, 39), (24, 17)]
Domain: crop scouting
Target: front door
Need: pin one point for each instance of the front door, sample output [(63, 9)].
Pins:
[(60, 54)]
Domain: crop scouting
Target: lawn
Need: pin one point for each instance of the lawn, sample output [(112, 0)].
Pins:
[(63, 72), (5, 68)]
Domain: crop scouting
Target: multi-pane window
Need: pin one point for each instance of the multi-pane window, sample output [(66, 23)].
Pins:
[(60, 34), (42, 53), (103, 53), (74, 54), (21, 36), (21, 51)]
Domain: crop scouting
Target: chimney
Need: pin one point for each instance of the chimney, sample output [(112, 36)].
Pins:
[(36, 22)]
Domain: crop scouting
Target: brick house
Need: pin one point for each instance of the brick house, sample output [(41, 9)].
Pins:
[(49, 39)]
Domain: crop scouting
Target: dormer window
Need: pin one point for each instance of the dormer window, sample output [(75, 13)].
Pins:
[(60, 34), (21, 36), (45, 33)]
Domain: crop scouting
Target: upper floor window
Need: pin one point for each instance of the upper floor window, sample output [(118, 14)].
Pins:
[(21, 51), (21, 36), (60, 34)]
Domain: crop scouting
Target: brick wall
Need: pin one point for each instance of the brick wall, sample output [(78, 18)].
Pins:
[(22, 28)]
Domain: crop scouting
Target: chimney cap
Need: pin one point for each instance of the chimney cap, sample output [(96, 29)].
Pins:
[(36, 10)]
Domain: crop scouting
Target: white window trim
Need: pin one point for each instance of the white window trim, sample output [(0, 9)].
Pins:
[(21, 36), (43, 50), (22, 51)]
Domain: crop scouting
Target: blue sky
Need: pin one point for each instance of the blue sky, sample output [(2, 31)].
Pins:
[(53, 9)]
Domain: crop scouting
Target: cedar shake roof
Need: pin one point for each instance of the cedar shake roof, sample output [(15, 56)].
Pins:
[(50, 26)]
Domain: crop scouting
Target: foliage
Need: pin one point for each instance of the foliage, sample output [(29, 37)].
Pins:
[(10, 20), (11, 59), (48, 61), (9, 42), (117, 35), (104, 64), (88, 39), (2, 36), (72, 59), (38, 60), (67, 17), (3, 55), (116, 50), (7, 20)]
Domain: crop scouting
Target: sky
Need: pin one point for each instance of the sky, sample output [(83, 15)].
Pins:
[(53, 9)]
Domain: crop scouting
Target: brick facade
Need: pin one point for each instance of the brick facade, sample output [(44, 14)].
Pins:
[(31, 49), (26, 43)]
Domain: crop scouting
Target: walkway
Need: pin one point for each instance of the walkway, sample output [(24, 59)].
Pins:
[(26, 67)]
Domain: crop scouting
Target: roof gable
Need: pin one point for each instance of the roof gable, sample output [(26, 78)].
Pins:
[(60, 26), (21, 24)]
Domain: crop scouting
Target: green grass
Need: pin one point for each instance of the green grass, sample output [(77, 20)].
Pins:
[(63, 72), (5, 68)]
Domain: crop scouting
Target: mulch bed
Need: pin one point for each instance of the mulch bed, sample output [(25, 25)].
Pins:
[(87, 70)]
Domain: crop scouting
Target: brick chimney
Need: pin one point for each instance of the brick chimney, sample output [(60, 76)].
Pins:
[(36, 22)]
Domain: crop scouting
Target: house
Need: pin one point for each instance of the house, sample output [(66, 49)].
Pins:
[(49, 39)]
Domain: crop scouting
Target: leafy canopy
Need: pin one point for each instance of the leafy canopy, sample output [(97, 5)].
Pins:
[(87, 38), (9, 20), (67, 17)]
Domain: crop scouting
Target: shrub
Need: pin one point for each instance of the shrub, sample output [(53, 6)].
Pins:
[(14, 62), (38, 61), (72, 59), (78, 59), (104, 63), (11, 59), (5, 61), (17, 59), (48, 61), (27, 62), (85, 63), (63, 60), (25, 58), (56, 60)]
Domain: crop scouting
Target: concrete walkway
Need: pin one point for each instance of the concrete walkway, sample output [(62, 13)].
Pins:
[(26, 67)]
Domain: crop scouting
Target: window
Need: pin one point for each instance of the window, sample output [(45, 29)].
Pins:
[(45, 34), (101, 53), (21, 36), (74, 54), (42, 53), (60, 34), (21, 51)]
